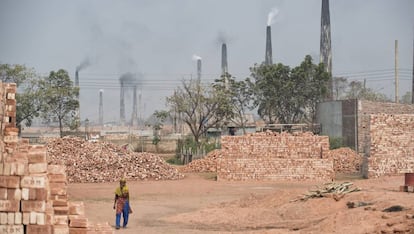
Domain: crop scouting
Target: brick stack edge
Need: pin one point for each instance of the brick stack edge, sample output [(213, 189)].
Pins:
[(33, 194), (274, 156), (391, 141)]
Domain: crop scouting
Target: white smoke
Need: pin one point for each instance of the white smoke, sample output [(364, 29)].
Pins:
[(101, 90), (196, 57), (271, 17)]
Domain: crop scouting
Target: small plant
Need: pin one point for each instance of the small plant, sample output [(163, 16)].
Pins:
[(174, 161), (335, 142)]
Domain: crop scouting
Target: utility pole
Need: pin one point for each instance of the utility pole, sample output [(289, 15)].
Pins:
[(412, 86), (396, 71)]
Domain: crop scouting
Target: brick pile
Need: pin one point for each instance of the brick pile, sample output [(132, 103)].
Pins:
[(275, 156), (205, 164), (345, 160), (391, 145), (368, 108), (95, 162), (33, 196)]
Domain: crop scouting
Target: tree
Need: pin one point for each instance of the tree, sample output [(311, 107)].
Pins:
[(357, 90), (62, 101), (159, 119), (240, 96), (339, 87), (406, 98), (199, 107), (29, 96), (286, 95)]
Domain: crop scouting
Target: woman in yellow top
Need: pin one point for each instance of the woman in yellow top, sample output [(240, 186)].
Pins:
[(121, 204)]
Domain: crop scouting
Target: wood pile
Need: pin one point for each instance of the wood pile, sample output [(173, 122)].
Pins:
[(345, 160), (206, 164), (334, 190), (96, 162)]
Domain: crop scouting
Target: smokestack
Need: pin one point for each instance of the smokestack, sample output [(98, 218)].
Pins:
[(77, 78), (101, 107), (199, 69), (325, 44), (268, 55), (134, 118), (224, 68), (122, 104)]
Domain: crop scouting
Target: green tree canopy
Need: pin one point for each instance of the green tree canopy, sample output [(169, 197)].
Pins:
[(239, 95), (61, 100), (285, 95), (29, 96)]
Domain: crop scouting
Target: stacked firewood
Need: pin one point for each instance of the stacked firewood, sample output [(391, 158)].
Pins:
[(105, 162), (206, 164), (334, 190)]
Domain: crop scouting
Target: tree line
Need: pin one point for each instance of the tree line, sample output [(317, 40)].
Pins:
[(276, 92)]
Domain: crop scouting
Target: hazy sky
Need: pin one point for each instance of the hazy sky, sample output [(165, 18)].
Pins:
[(158, 38)]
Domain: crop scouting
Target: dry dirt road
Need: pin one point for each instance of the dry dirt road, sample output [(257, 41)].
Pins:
[(199, 204)]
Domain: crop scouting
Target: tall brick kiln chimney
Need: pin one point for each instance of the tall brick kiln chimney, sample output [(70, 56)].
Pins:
[(199, 69), (101, 107), (325, 56), (134, 117), (77, 78), (224, 67), (122, 103), (268, 55)]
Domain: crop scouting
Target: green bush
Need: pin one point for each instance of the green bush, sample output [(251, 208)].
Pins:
[(174, 160), (335, 142)]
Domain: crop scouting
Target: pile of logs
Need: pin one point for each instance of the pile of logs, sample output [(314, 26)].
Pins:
[(105, 162), (334, 190), (206, 164), (345, 160)]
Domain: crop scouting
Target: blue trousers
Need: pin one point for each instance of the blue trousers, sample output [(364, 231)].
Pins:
[(125, 214)]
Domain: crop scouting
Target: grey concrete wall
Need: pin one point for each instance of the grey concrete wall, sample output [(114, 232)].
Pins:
[(329, 115)]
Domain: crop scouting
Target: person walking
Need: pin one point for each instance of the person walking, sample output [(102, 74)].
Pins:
[(121, 204)]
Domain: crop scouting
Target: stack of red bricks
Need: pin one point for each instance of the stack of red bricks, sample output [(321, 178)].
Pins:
[(391, 145), (33, 195), (275, 156)]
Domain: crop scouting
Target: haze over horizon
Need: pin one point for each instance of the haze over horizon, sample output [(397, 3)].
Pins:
[(158, 39)]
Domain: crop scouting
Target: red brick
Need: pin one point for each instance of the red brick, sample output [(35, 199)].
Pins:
[(9, 181), (39, 229), (37, 206), (9, 206), (37, 156)]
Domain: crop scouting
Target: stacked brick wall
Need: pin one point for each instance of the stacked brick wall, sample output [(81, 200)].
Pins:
[(274, 156), (33, 194), (391, 142), (367, 108)]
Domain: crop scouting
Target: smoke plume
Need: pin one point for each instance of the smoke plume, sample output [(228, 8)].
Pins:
[(131, 80), (84, 64), (271, 17), (196, 57)]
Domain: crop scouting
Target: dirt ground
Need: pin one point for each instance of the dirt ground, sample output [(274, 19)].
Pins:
[(199, 204)]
